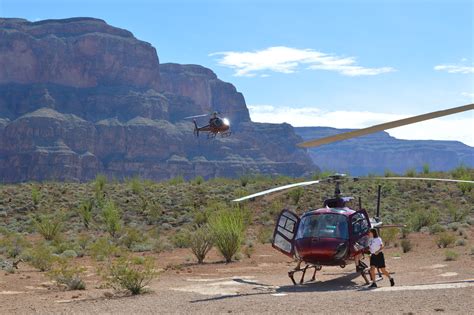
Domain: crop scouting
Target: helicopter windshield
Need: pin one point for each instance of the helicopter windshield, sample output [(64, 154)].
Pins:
[(327, 225)]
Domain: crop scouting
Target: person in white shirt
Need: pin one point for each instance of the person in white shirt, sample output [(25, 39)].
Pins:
[(377, 259)]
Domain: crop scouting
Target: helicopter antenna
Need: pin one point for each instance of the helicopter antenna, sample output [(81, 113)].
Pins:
[(379, 190)]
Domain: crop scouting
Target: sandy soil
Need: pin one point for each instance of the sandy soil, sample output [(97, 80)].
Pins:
[(425, 284)]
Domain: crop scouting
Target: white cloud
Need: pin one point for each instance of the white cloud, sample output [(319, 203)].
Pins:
[(452, 68), (452, 128), (468, 95), (288, 60)]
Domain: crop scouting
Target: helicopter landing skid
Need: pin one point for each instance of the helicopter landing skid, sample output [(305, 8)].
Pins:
[(291, 273), (226, 134)]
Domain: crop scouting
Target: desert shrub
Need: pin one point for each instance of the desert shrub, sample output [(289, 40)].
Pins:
[(201, 242), (406, 245), (136, 185), (244, 180), (460, 242), (426, 168), (453, 226), (451, 255), (85, 212), (445, 239), (228, 229), (49, 226), (198, 180), (69, 253), (35, 195), (456, 214), (181, 239), (127, 274), (249, 249), (405, 232), (296, 194), (421, 218), (154, 212), (176, 180), (41, 257), (389, 235), (131, 237), (410, 172), (265, 235), (201, 216), (437, 228), (64, 272), (103, 248), (99, 183), (13, 244), (111, 217)]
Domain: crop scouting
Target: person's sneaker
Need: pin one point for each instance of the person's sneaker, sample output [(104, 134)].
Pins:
[(373, 285), (392, 282)]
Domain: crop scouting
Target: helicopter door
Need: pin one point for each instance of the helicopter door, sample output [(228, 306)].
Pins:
[(285, 232)]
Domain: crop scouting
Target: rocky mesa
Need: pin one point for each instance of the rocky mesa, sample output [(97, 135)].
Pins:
[(80, 97)]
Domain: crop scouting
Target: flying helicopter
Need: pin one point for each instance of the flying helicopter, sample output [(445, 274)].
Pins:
[(336, 235), (216, 125)]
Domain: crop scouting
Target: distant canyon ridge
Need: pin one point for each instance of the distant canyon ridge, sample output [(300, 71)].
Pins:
[(79, 97)]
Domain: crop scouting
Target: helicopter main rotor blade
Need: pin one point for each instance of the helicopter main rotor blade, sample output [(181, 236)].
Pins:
[(385, 126), (273, 190), (196, 116), (427, 179)]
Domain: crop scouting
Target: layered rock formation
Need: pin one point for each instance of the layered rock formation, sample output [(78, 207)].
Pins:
[(379, 152), (79, 97)]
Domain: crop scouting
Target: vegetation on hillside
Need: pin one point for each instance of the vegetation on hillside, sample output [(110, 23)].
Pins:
[(50, 224)]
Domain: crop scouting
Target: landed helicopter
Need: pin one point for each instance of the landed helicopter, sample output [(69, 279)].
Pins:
[(216, 126), (336, 235)]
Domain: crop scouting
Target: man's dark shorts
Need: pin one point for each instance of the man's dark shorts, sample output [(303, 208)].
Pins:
[(377, 260)]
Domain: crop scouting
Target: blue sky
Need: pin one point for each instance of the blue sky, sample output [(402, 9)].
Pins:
[(335, 63)]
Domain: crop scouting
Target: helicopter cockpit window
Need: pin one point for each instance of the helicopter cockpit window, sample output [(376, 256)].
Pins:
[(323, 225), (359, 224)]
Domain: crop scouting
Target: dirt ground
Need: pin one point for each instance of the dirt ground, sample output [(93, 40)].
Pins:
[(425, 284)]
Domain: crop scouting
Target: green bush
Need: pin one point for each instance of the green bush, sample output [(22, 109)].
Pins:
[(265, 235), (41, 257), (423, 217), (410, 172), (35, 195), (249, 249), (85, 212), (103, 248), (296, 194), (437, 228), (99, 183), (111, 217), (13, 244), (228, 229), (198, 180), (445, 239), (406, 245), (48, 226), (451, 255), (131, 237), (426, 168), (389, 235), (131, 275), (201, 242), (460, 242), (64, 272), (136, 185), (181, 239)]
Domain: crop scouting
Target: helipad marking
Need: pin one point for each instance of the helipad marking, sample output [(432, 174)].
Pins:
[(449, 274), (10, 292), (435, 286), (278, 294)]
